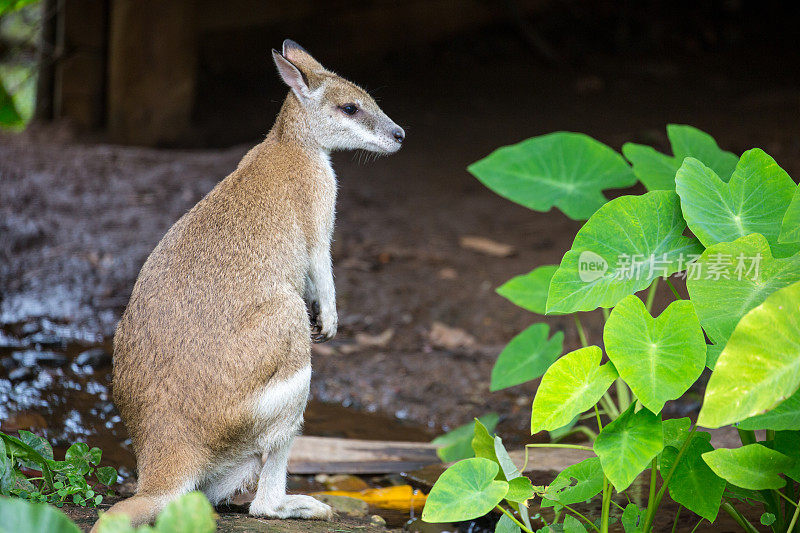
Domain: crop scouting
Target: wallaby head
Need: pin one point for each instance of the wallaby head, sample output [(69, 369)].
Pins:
[(340, 115)]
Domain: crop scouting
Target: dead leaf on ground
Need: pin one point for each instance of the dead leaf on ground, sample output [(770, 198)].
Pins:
[(402, 497), (443, 336), (372, 341), (486, 246)]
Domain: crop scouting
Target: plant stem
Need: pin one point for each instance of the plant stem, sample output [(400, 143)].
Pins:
[(738, 518), (623, 394), (618, 506), (525, 463), (653, 506), (583, 429), (606, 505), (581, 332), (651, 294), (579, 515), (599, 422), (609, 407), (511, 516), (652, 495), (747, 437), (697, 525), (555, 445), (673, 289), (782, 495), (675, 522), (794, 518), (605, 313)]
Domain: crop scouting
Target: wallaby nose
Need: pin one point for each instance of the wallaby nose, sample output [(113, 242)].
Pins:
[(399, 135)]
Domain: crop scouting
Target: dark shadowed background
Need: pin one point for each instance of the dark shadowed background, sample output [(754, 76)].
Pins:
[(144, 105)]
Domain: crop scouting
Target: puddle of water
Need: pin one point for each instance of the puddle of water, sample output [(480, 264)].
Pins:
[(56, 382)]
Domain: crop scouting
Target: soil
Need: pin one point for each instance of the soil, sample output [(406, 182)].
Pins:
[(78, 219)]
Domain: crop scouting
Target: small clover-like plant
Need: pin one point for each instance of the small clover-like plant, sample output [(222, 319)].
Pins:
[(78, 479), (730, 226)]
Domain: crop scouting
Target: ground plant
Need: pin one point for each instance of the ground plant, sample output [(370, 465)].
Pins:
[(727, 225), (29, 471), (191, 513)]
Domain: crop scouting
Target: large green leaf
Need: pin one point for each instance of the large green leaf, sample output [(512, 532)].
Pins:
[(633, 518), (519, 489), (570, 386), (464, 491), (483, 443), (760, 365), (628, 444), (36, 442), (191, 513), (786, 416), (26, 454), (659, 358), (657, 170), (506, 525), (573, 525), (9, 115), (576, 484), (529, 291), (526, 357), (563, 169), (788, 443), (457, 443), (693, 484), (754, 201), (754, 466), (21, 516), (675, 431), (730, 279), (507, 466), (790, 227), (624, 246)]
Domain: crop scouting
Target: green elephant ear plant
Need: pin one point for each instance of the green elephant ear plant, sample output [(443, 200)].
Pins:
[(728, 225)]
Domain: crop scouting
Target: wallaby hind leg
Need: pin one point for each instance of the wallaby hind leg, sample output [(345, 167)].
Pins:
[(271, 498), (163, 477), (141, 508)]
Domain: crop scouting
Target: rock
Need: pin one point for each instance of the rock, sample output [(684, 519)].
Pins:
[(377, 520), (344, 505), (486, 246), (442, 336), (345, 482)]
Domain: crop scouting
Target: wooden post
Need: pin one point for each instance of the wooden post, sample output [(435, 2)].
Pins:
[(152, 70), (79, 74)]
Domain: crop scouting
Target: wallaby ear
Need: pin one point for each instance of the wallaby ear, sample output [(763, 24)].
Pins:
[(298, 55), (291, 75)]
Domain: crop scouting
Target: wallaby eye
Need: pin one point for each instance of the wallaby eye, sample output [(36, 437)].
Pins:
[(349, 109)]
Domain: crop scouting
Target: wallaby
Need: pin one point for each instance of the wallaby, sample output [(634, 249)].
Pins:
[(212, 356)]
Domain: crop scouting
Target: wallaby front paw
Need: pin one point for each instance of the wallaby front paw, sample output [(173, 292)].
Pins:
[(324, 323), (294, 506)]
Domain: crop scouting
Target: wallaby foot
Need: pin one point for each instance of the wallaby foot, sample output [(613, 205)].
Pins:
[(271, 498), (292, 506)]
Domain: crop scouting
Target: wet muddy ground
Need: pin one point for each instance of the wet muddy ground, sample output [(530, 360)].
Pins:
[(78, 218)]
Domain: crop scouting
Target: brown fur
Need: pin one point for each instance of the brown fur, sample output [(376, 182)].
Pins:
[(219, 311)]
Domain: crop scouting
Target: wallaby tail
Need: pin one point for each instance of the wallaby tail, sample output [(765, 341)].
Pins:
[(140, 508)]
